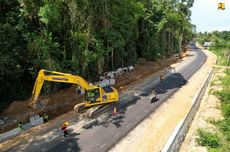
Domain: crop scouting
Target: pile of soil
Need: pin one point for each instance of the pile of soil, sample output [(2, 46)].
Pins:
[(64, 100)]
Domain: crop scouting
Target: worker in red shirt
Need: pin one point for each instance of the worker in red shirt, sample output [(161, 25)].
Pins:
[(64, 129)]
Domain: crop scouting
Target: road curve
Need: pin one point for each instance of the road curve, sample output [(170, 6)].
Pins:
[(135, 104)]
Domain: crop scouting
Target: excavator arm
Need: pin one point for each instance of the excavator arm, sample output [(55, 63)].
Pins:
[(45, 75)]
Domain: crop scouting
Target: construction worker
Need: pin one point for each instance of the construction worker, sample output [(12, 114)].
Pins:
[(153, 96), (91, 95), (45, 117), (114, 111), (20, 126), (161, 77), (64, 129)]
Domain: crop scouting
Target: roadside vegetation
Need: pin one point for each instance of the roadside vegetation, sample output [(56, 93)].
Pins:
[(220, 45), (85, 37), (218, 140)]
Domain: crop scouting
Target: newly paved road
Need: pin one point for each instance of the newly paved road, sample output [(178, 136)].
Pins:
[(107, 130)]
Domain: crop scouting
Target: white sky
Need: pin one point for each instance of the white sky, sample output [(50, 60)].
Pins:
[(207, 17)]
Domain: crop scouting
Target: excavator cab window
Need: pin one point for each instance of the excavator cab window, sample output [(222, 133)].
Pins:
[(107, 89), (92, 95)]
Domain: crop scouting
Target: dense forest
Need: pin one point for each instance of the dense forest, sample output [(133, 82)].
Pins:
[(85, 37)]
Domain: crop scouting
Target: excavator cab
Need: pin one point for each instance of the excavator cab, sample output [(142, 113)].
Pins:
[(100, 95), (93, 96)]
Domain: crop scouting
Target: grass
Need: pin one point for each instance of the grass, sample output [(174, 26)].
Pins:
[(213, 83), (221, 55), (220, 140), (208, 139)]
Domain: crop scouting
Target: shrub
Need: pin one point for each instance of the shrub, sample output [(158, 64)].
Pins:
[(208, 139)]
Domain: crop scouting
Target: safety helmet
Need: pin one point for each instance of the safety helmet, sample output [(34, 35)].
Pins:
[(66, 123)]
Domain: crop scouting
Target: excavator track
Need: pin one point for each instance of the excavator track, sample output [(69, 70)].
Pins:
[(101, 109), (90, 112), (80, 108)]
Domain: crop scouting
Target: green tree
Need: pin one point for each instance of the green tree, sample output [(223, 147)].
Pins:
[(85, 37)]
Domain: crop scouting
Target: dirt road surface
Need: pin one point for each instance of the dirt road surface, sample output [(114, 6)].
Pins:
[(153, 133)]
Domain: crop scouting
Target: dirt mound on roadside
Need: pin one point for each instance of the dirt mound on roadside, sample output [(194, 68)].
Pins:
[(63, 96), (17, 107)]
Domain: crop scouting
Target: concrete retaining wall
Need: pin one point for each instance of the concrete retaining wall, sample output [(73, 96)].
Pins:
[(34, 121), (9, 134)]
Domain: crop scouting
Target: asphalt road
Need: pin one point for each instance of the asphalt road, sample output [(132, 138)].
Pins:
[(107, 130)]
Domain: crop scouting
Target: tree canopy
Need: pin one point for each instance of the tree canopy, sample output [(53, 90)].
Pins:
[(85, 37)]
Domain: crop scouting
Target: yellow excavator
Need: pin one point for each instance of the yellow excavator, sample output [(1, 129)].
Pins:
[(95, 96)]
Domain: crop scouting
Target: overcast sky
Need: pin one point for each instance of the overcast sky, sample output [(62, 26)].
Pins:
[(207, 17)]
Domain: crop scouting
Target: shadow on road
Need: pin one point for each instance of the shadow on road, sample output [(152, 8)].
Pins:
[(106, 121), (69, 144), (54, 141), (174, 81), (116, 119)]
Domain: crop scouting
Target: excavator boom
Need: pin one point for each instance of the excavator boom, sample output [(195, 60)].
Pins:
[(45, 75)]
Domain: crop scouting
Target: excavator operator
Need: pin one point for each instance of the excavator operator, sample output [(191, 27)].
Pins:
[(92, 95)]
